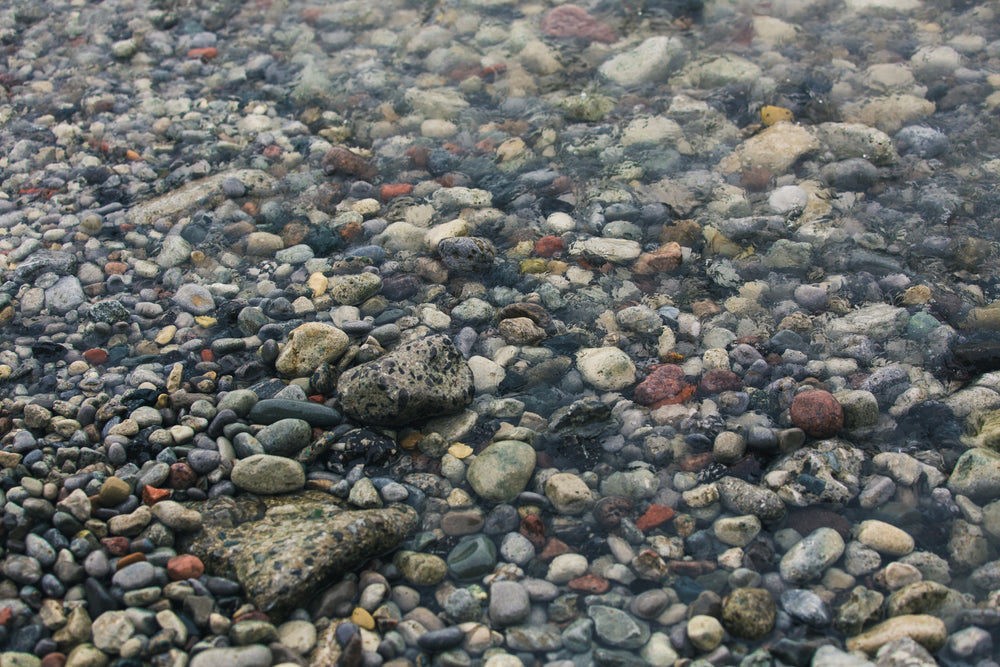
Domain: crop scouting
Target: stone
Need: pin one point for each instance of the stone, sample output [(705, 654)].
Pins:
[(742, 497), (509, 603), (111, 630), (885, 538), (194, 298), (749, 613), (976, 474), (287, 532), (817, 413), (421, 378), (568, 493), (266, 474), (271, 410), (285, 437), (776, 149), (466, 254), (811, 555), (618, 628), (652, 60), (606, 368), (310, 345), (928, 631), (705, 632), (253, 655), (421, 569), (501, 471), (352, 290), (736, 531)]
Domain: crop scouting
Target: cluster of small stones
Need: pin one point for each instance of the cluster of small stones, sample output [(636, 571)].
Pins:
[(670, 355)]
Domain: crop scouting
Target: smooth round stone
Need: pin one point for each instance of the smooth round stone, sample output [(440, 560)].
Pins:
[(885, 538), (111, 630), (568, 493), (705, 632), (268, 475), (254, 655), (135, 576), (114, 491), (516, 548), (749, 613), (441, 640), (352, 290), (806, 607), (240, 401), (203, 461), (811, 555), (271, 410), (606, 368), (195, 299), (466, 254), (502, 470), (472, 557), (618, 628), (650, 604), (284, 437), (36, 547), (566, 567), (421, 569), (300, 636), (509, 603), (736, 531)]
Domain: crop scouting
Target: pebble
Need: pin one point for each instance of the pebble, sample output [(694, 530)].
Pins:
[(267, 474)]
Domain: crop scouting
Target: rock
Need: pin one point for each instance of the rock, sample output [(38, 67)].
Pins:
[(568, 493), (928, 631), (653, 60), (749, 613), (776, 149), (285, 437), (111, 630), (254, 655), (271, 410), (705, 632), (606, 368), (736, 531), (921, 597), (664, 386), (266, 474), (194, 299), (352, 290), (976, 474), (419, 379), (175, 203), (466, 254), (817, 413), (806, 607), (176, 516), (293, 530), (885, 538), (421, 569), (501, 471), (618, 628), (310, 345), (811, 555), (509, 603), (743, 497), (65, 295)]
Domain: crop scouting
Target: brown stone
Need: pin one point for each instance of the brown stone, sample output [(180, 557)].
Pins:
[(817, 413), (185, 566)]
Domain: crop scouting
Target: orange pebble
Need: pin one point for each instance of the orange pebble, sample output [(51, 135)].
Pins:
[(390, 190), (152, 495), (132, 155), (206, 53), (655, 516), (134, 557)]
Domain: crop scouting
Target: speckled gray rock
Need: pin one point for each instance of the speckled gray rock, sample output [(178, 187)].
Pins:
[(304, 538), (618, 628), (977, 474), (419, 379), (310, 345), (811, 555), (743, 497), (266, 474)]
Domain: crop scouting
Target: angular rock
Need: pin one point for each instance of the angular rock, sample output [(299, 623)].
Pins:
[(305, 539), (420, 379), (310, 345)]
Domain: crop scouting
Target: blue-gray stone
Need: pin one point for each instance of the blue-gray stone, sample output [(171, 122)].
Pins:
[(271, 410), (473, 557)]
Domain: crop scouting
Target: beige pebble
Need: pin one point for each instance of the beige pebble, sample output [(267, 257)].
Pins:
[(885, 538), (928, 631)]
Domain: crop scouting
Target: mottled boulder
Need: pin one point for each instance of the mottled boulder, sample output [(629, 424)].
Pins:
[(420, 379), (282, 549)]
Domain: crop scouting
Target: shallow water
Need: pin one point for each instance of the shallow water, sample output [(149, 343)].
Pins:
[(773, 197)]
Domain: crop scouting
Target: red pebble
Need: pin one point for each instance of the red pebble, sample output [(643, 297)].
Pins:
[(207, 355), (718, 380), (152, 495), (185, 566), (54, 659), (115, 546), (272, 151), (817, 413), (548, 246), (590, 583), (129, 559), (553, 547), (181, 476), (115, 268), (656, 515), (573, 21), (664, 383), (5, 615), (206, 53), (95, 355), (391, 190)]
